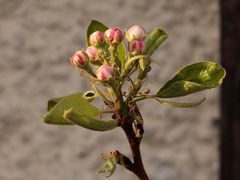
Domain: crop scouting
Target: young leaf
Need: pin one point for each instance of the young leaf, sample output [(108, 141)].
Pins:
[(154, 40), (121, 53), (76, 101), (81, 119), (193, 78), (108, 167)]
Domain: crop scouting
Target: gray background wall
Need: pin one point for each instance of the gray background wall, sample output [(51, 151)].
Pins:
[(36, 40)]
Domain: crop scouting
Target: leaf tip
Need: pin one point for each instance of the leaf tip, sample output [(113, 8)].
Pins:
[(45, 119)]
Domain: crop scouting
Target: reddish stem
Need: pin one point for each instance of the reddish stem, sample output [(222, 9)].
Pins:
[(134, 142)]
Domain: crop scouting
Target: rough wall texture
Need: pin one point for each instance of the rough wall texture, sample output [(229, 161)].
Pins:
[(36, 40)]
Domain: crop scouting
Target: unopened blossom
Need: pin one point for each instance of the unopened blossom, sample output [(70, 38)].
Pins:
[(136, 47), (92, 53), (136, 32), (96, 38), (104, 72), (79, 58), (114, 35)]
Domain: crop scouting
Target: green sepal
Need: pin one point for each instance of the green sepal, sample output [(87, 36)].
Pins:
[(192, 78), (154, 40), (76, 101), (83, 120)]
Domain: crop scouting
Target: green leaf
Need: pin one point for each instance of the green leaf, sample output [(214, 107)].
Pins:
[(53, 102), (121, 53), (154, 40), (98, 26), (95, 26), (76, 101), (88, 95), (181, 104), (193, 78), (81, 119)]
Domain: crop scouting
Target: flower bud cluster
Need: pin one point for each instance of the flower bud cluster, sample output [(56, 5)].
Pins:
[(96, 59)]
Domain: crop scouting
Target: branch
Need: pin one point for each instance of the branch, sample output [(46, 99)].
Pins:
[(138, 168), (124, 161)]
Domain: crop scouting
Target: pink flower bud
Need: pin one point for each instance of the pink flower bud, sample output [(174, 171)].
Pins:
[(136, 47), (92, 53), (96, 38), (114, 35), (136, 32), (104, 72), (79, 59)]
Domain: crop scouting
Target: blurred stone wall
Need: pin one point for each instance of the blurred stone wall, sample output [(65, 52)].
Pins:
[(36, 39)]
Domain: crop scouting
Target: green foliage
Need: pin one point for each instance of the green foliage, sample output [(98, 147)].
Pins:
[(76, 110), (76, 101), (154, 40), (88, 95), (53, 102), (121, 53), (181, 104), (193, 78), (81, 119)]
